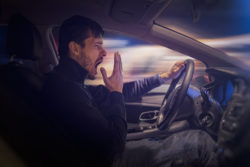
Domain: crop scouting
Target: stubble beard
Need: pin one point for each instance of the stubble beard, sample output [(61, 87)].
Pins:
[(91, 77), (87, 65)]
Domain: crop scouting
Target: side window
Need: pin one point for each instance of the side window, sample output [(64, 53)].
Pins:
[(52, 39), (140, 59)]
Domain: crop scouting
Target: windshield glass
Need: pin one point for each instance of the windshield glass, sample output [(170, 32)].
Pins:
[(221, 24)]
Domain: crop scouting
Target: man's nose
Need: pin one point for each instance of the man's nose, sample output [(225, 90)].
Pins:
[(104, 52)]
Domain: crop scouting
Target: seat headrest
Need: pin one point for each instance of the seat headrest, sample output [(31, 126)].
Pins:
[(23, 39)]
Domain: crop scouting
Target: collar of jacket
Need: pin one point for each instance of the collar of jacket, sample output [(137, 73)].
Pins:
[(72, 70)]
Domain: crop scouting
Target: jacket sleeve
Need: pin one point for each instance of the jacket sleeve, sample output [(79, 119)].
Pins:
[(134, 90)]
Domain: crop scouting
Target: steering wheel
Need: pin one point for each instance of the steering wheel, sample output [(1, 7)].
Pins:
[(170, 105)]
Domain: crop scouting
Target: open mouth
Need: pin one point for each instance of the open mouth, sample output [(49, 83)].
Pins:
[(98, 62)]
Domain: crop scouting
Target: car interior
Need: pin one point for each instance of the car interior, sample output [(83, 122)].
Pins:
[(211, 94)]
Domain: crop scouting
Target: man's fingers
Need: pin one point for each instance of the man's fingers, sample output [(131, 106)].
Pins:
[(179, 69), (120, 62), (104, 75), (116, 62), (179, 65)]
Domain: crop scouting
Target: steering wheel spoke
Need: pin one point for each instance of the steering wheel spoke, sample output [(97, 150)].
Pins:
[(170, 105)]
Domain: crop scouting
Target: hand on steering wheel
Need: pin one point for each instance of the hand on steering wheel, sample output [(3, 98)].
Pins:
[(169, 108), (174, 72)]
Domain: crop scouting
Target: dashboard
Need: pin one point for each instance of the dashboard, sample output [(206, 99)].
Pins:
[(203, 107)]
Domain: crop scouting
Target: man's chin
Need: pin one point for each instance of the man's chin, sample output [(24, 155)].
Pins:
[(91, 77)]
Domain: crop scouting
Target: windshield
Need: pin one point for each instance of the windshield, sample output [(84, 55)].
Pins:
[(221, 24)]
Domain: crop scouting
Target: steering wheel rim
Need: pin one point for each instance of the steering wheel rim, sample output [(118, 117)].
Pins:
[(167, 114)]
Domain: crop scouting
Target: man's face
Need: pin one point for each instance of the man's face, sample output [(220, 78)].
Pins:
[(91, 55)]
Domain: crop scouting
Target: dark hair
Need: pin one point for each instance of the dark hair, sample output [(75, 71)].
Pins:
[(77, 28)]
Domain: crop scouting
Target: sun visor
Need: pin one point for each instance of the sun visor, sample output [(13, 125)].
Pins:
[(131, 11)]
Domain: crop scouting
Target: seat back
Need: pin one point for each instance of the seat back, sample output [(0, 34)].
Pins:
[(20, 124)]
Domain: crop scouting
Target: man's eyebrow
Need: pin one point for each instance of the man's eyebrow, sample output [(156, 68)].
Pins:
[(99, 42)]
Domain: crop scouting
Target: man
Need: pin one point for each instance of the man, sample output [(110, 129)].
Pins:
[(83, 133), (88, 125)]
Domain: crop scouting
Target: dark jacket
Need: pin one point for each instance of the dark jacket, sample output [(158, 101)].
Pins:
[(87, 123)]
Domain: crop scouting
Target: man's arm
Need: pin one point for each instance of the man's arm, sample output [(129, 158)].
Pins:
[(134, 90), (131, 90)]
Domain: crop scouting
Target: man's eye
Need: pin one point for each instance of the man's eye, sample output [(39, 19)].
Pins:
[(98, 46)]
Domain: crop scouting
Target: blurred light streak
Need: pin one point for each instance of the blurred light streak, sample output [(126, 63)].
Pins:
[(228, 42), (234, 46), (114, 43)]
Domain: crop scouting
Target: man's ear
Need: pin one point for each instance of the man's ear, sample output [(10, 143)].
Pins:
[(74, 48)]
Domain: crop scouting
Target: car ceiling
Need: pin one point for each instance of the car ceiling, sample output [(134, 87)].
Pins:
[(200, 19), (210, 19)]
